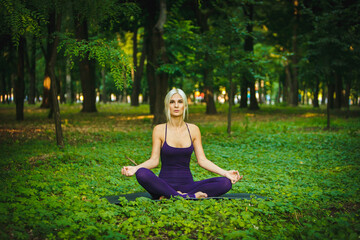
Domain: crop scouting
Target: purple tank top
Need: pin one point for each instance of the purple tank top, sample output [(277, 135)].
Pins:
[(175, 163)]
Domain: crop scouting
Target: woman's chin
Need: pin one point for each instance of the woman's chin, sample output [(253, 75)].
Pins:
[(176, 115)]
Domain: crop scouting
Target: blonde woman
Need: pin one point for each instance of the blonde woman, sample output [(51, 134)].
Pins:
[(174, 142)]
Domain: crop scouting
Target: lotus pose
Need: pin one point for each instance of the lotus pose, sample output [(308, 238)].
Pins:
[(175, 142)]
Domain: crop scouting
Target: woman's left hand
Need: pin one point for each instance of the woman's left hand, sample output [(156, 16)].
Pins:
[(233, 175)]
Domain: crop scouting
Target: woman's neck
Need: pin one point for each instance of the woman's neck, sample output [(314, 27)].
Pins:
[(176, 122)]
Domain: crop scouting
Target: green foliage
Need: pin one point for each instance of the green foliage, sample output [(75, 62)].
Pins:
[(182, 46), (333, 43), (311, 176), (17, 19), (106, 53)]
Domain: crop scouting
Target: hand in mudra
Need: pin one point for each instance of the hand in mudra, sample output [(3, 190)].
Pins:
[(233, 175), (128, 171)]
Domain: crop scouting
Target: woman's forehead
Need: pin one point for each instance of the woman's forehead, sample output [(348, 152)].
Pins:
[(176, 96)]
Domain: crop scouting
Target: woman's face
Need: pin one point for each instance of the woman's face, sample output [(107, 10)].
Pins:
[(176, 105)]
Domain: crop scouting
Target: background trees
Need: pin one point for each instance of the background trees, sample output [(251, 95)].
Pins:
[(289, 52)]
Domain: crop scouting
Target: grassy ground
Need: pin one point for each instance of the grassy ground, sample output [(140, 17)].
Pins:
[(310, 174)]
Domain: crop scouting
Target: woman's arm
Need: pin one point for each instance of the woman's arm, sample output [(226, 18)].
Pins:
[(207, 164), (153, 161)]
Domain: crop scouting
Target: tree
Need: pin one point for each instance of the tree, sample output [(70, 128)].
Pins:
[(17, 21), (139, 67), (331, 45), (156, 56), (202, 13), (30, 62), (249, 47), (286, 26), (20, 84), (86, 65), (51, 68), (46, 98)]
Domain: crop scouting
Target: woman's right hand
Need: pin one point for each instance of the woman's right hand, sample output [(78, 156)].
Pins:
[(233, 175), (128, 171)]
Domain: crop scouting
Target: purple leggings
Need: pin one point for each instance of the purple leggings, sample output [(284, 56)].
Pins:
[(158, 187)]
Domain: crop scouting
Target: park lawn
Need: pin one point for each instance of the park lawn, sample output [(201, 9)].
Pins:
[(310, 176)]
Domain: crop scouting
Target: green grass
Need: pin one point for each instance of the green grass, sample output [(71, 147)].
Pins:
[(310, 174)]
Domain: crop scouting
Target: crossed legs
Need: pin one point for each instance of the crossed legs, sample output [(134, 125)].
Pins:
[(157, 187)]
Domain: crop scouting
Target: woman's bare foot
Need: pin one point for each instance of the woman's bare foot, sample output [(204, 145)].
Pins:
[(201, 195), (161, 197)]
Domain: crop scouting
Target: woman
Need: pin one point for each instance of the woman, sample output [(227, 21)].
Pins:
[(174, 142)]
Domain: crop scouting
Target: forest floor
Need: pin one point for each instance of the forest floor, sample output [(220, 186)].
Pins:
[(309, 174)]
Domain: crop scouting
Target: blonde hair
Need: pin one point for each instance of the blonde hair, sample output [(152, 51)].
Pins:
[(167, 102)]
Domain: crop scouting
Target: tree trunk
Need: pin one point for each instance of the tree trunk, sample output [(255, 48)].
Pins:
[(231, 91), (124, 92), (156, 55), (150, 52), (324, 93), (202, 20), (86, 67), (294, 87), (330, 99), (281, 89), (338, 91), (253, 102), (261, 93), (287, 82), (54, 91), (243, 92), (46, 101), (32, 71), (209, 93), (303, 97), (347, 97), (316, 94), (3, 87), (136, 83), (328, 106), (158, 44), (347, 93), (328, 116), (103, 93), (138, 71), (69, 93), (150, 75), (20, 84), (46, 82), (249, 47), (61, 83)]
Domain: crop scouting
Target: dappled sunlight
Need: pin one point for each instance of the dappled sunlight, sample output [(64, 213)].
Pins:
[(127, 118), (26, 133), (11, 131), (311, 115), (35, 110)]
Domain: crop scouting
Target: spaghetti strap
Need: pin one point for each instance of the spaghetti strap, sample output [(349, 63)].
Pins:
[(165, 131), (189, 133)]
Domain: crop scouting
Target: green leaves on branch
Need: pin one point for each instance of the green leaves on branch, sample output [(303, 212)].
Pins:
[(106, 53), (18, 19), (170, 69)]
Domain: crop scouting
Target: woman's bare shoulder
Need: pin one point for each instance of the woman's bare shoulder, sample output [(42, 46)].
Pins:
[(158, 129), (193, 128)]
